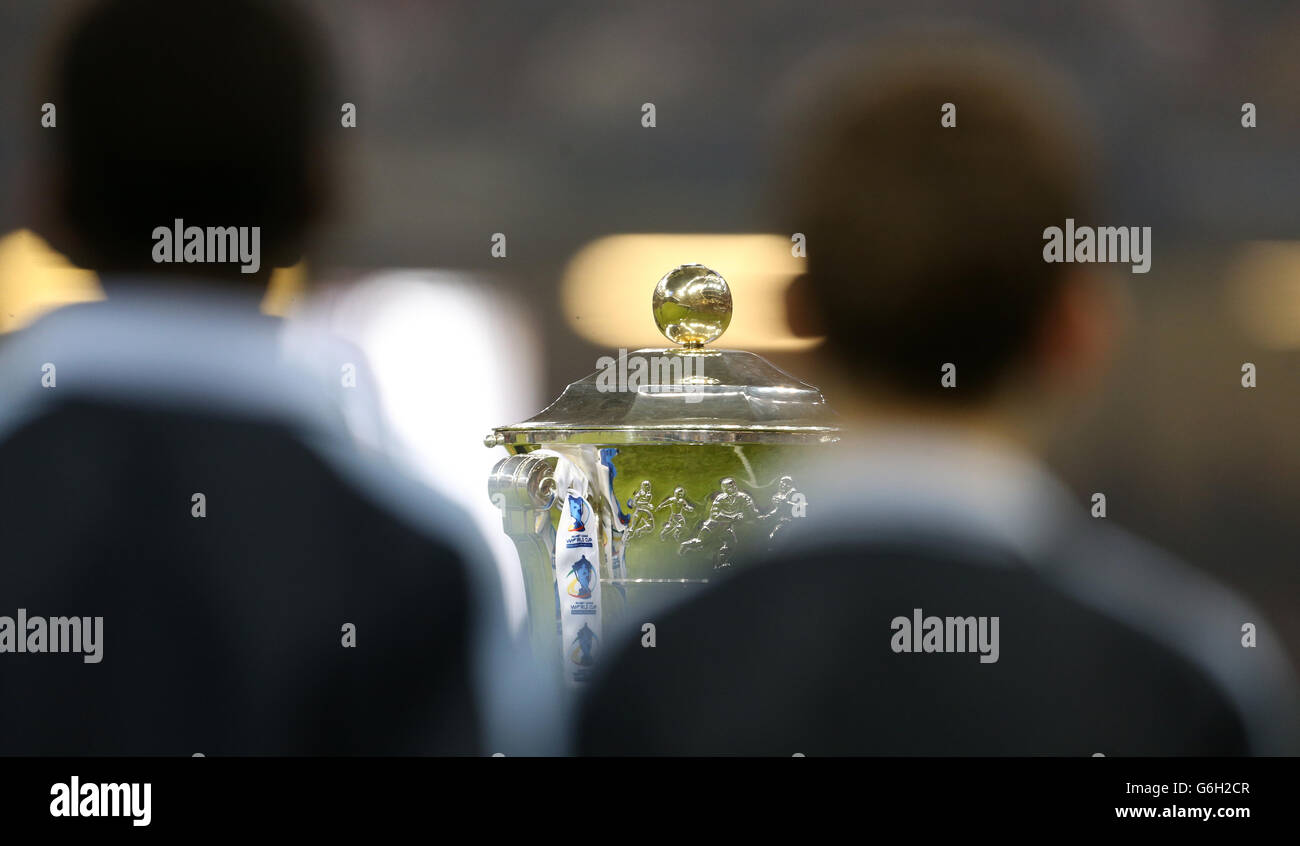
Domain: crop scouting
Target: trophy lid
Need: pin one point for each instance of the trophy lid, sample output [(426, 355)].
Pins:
[(686, 394)]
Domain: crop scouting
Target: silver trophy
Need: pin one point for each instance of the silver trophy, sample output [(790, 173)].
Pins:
[(687, 457)]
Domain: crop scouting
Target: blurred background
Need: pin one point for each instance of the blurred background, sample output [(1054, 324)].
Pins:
[(477, 118)]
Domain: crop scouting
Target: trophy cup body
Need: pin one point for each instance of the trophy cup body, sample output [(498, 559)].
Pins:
[(685, 472)]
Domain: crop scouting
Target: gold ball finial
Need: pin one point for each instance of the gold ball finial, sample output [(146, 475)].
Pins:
[(692, 305)]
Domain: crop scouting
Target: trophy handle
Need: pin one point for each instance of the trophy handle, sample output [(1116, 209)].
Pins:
[(523, 487)]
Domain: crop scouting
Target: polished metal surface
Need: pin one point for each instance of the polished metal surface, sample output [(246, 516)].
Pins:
[(523, 487), (751, 402), (714, 528), (725, 501), (692, 305), (667, 434), (688, 394)]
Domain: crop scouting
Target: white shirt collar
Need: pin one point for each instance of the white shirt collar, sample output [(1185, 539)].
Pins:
[(166, 347), (942, 482)]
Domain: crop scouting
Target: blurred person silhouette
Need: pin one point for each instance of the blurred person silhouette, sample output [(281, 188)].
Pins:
[(170, 465), (926, 247)]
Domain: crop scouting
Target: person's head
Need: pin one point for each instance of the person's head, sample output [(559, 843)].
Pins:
[(923, 180), (212, 112)]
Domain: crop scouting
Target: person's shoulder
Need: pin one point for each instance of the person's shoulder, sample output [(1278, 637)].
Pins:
[(1227, 638), (814, 629)]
